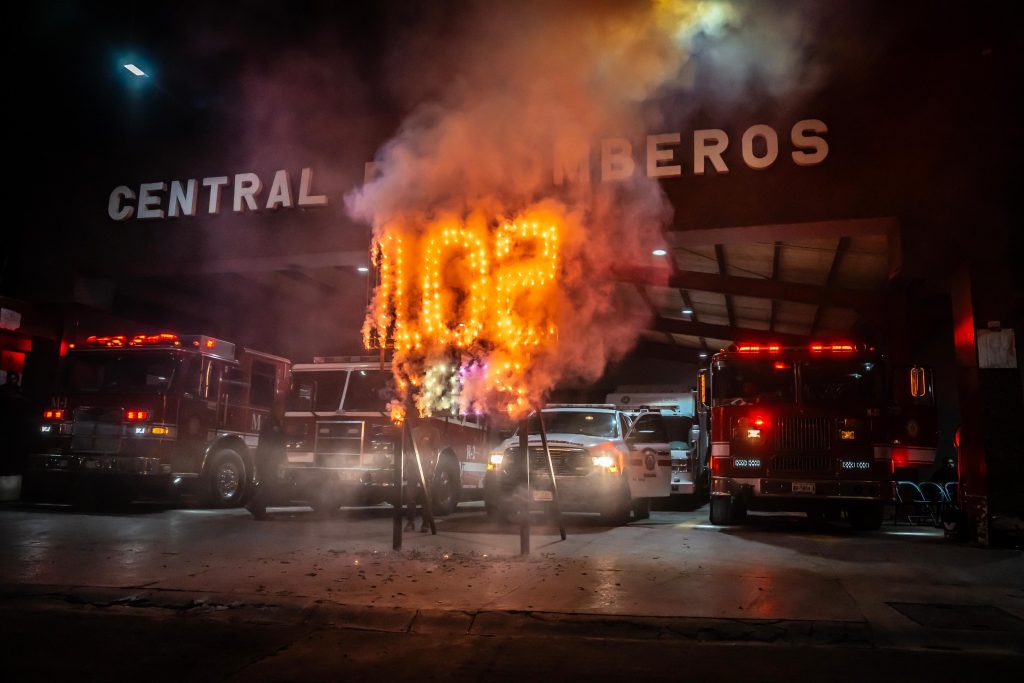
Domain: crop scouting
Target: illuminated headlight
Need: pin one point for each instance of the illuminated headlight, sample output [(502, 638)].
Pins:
[(46, 429), (603, 461), (847, 434), (382, 446), (855, 464), (494, 460), (753, 433), (746, 462)]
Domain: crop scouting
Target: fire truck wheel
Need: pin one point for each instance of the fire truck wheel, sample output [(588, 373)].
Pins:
[(446, 488), (33, 489), (727, 510), (642, 508), (326, 500), (867, 517), (226, 476)]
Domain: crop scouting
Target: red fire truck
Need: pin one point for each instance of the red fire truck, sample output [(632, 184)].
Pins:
[(341, 443), (819, 429), (156, 415)]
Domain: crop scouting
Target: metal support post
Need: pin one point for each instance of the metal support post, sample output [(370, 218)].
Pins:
[(428, 511), (555, 504), (399, 501), (526, 499)]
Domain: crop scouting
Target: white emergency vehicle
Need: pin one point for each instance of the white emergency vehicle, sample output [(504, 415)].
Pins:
[(671, 423)]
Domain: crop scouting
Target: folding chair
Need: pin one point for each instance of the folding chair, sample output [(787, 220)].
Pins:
[(937, 499), (911, 504), (953, 492)]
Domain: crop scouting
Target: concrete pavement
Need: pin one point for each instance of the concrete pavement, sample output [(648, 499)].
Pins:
[(779, 579)]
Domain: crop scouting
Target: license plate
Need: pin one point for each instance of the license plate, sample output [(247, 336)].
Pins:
[(803, 487), (543, 496)]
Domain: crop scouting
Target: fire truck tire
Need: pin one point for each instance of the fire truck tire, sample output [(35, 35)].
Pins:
[(642, 508), (726, 510), (33, 489), (867, 517), (326, 500), (446, 488), (226, 479)]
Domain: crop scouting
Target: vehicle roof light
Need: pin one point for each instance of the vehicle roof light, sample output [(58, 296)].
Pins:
[(155, 339), (756, 348), (118, 341), (839, 347)]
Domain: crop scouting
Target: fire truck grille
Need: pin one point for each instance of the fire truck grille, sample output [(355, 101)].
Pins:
[(567, 461), (96, 430), (801, 463), (803, 434), (339, 442)]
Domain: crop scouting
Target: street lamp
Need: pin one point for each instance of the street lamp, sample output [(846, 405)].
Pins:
[(135, 71)]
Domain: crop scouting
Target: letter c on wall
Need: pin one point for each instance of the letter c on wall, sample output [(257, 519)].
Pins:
[(115, 209)]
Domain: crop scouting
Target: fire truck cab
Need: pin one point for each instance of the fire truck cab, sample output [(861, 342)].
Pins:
[(341, 443), (156, 415), (813, 429)]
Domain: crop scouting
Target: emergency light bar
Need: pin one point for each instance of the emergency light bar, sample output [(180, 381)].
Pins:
[(817, 347), (118, 341), (201, 343)]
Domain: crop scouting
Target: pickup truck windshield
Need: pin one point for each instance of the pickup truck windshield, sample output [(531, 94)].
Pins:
[(587, 423), (128, 372)]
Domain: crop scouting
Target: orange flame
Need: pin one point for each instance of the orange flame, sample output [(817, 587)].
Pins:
[(468, 315)]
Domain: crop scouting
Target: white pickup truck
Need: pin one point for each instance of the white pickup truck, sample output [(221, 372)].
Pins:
[(598, 467)]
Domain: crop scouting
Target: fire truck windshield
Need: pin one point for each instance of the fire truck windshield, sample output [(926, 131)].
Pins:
[(368, 391), (587, 423), (130, 372), (747, 382), (837, 381), (320, 391)]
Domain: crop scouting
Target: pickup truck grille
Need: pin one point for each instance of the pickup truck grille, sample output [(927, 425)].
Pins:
[(568, 461)]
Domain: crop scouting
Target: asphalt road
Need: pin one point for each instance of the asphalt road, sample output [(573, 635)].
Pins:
[(160, 593)]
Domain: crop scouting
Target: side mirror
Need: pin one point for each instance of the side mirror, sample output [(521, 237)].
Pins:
[(702, 388), (919, 384)]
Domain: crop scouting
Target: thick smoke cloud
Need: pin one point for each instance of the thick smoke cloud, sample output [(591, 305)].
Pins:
[(520, 81)]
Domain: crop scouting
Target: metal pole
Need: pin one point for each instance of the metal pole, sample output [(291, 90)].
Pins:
[(524, 510), (551, 470), (428, 511), (399, 501)]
